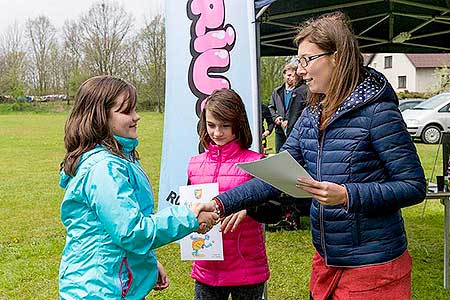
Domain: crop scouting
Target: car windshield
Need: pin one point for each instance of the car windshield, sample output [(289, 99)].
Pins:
[(433, 102), (408, 105)]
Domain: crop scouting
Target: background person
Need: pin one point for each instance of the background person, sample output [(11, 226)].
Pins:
[(287, 103), (354, 143), (107, 209), (265, 132), (226, 136)]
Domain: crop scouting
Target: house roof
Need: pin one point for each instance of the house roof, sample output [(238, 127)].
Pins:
[(431, 60)]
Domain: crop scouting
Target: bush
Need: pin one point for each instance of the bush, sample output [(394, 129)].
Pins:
[(407, 94), (19, 106)]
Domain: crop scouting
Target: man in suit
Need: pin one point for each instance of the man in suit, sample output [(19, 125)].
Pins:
[(287, 104)]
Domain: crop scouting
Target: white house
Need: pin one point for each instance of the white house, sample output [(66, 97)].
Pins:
[(411, 72)]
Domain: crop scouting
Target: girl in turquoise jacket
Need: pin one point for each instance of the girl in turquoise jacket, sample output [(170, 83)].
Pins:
[(108, 204)]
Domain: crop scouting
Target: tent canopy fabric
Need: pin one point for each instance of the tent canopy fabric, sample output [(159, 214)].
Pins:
[(392, 26)]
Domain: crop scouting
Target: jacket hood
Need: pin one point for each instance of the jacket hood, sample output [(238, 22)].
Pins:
[(127, 144)]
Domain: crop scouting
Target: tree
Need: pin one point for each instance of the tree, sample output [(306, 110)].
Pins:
[(73, 70), (104, 30), (12, 62), (271, 75), (42, 37), (73, 43), (442, 82), (152, 53)]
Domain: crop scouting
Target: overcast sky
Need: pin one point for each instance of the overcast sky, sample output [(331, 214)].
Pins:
[(60, 10)]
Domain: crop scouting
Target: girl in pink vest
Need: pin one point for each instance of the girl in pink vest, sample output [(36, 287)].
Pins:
[(225, 134)]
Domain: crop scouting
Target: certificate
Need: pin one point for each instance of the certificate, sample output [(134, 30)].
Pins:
[(281, 171), (196, 246)]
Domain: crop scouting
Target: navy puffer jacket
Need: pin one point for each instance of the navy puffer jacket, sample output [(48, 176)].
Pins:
[(367, 148)]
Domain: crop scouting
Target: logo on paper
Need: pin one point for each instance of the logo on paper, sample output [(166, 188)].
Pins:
[(198, 193)]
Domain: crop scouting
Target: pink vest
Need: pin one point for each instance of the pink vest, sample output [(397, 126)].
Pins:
[(245, 260)]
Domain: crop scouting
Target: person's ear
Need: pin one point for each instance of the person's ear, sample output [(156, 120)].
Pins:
[(334, 58)]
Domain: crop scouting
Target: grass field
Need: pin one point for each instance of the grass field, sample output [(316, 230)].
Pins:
[(32, 237)]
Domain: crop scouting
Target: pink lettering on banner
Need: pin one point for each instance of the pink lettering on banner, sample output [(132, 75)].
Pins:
[(211, 43), (213, 58), (215, 39), (211, 14)]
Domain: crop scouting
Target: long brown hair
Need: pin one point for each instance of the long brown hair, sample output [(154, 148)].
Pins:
[(87, 125), (227, 106), (332, 32)]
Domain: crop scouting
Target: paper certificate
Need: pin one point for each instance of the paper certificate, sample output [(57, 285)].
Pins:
[(281, 171), (196, 246)]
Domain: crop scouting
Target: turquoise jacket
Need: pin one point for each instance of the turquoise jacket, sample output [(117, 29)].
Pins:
[(112, 232)]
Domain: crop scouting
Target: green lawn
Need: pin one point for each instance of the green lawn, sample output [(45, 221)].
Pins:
[(32, 237)]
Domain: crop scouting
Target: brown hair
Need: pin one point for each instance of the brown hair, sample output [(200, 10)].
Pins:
[(227, 106), (332, 32), (87, 125)]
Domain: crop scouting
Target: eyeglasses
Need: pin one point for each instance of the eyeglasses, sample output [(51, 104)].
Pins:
[(304, 60)]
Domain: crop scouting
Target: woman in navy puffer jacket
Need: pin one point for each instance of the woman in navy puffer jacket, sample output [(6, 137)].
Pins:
[(354, 143)]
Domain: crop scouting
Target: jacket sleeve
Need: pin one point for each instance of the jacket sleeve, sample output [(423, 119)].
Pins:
[(113, 199), (256, 191), (268, 117), (397, 153), (273, 107), (292, 144)]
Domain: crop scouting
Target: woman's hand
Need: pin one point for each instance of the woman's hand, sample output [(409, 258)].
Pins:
[(207, 216), (232, 221), (163, 281), (327, 193)]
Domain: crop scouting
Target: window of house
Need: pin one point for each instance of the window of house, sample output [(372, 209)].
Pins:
[(388, 62), (402, 82)]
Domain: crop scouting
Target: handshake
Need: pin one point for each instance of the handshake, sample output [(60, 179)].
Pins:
[(208, 215)]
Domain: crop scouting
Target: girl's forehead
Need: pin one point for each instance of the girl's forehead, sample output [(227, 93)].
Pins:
[(212, 117)]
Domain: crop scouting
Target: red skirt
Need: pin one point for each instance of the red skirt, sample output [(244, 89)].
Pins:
[(388, 281)]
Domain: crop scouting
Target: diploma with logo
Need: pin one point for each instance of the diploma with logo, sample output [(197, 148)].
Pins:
[(196, 246)]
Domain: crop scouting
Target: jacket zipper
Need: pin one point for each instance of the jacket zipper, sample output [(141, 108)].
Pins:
[(219, 162), (321, 223), (320, 146)]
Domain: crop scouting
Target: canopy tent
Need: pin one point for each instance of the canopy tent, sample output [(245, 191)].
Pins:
[(403, 26)]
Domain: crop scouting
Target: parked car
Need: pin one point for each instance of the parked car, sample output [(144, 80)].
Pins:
[(428, 119), (409, 103)]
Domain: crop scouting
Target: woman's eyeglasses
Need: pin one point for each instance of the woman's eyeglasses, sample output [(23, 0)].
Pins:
[(304, 60)]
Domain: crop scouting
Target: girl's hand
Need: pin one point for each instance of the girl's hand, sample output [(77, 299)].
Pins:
[(327, 193), (207, 216), (163, 281), (232, 221)]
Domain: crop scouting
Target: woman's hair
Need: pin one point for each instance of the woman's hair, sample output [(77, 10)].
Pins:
[(333, 33), (87, 125), (226, 105), (290, 66)]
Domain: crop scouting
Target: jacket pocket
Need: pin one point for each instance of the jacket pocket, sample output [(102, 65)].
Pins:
[(125, 277), (356, 231)]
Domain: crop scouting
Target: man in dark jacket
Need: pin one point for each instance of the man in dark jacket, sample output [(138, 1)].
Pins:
[(265, 132), (287, 104)]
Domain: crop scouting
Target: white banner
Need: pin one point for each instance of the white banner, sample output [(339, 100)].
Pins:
[(210, 44)]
